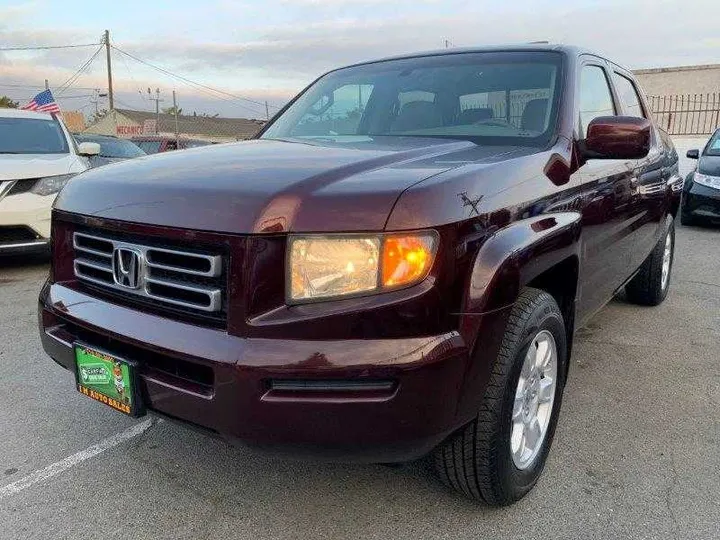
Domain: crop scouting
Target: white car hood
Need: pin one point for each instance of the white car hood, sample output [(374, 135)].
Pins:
[(19, 166)]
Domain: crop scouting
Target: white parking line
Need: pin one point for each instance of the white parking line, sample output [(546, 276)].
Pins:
[(70, 461)]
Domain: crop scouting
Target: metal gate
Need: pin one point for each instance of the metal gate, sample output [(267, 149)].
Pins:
[(687, 114)]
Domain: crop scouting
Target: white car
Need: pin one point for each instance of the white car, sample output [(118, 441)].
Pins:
[(37, 158)]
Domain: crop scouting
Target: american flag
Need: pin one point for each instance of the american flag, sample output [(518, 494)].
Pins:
[(43, 102)]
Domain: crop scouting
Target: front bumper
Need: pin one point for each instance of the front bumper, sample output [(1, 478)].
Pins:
[(377, 400), (26, 247), (25, 211), (701, 202), (28, 209)]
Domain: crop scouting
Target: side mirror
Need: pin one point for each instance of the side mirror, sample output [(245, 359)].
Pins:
[(88, 149), (617, 137), (693, 154)]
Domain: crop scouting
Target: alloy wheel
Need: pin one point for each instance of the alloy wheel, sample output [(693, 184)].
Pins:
[(534, 398)]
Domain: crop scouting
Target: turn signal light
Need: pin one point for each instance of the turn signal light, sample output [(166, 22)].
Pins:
[(407, 259)]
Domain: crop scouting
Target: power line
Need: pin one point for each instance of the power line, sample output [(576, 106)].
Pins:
[(79, 96), (126, 105), (79, 72), (32, 86), (189, 81), (196, 85), (48, 47)]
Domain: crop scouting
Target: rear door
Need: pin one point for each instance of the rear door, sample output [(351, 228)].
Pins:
[(607, 189)]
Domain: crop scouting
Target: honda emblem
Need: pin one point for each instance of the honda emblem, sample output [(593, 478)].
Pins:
[(127, 267)]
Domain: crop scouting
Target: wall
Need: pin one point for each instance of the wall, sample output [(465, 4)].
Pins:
[(680, 80), (109, 124)]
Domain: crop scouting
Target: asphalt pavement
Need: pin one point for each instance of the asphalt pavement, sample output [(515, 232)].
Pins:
[(636, 454)]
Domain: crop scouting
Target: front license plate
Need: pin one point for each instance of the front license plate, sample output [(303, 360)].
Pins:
[(107, 379)]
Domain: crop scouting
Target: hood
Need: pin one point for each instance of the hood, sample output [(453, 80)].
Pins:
[(19, 166), (709, 165), (266, 186)]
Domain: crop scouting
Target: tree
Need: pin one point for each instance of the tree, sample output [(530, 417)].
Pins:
[(171, 110), (7, 103)]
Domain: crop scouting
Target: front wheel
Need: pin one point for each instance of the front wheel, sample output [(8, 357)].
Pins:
[(500, 455), (650, 285)]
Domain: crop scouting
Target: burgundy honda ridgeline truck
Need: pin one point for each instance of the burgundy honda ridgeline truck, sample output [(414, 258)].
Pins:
[(395, 265)]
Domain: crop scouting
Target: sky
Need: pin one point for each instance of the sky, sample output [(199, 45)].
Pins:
[(268, 50)]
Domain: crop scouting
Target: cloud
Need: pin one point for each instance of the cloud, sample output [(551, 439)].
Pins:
[(636, 35), (273, 61), (26, 83)]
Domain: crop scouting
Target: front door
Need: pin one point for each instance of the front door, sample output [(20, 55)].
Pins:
[(608, 189)]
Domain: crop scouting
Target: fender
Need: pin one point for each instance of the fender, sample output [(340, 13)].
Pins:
[(510, 258), (507, 261)]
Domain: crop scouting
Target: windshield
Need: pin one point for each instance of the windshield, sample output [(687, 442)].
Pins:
[(149, 147), (713, 145), (32, 136), (196, 144), (113, 148), (488, 98)]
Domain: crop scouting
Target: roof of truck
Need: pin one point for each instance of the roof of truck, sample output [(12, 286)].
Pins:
[(540, 46)]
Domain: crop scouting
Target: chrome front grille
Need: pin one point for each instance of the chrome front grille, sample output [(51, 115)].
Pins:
[(175, 277)]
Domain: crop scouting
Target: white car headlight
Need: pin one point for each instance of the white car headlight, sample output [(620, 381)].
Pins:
[(705, 180), (50, 184), (335, 266)]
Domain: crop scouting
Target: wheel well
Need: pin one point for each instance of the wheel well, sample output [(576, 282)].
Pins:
[(674, 207), (560, 281)]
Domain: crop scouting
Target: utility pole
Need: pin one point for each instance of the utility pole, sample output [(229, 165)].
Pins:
[(47, 85), (267, 111), (95, 100), (109, 70), (175, 111), (157, 101)]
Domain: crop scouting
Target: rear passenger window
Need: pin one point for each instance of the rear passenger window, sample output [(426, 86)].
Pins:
[(595, 97), (628, 96)]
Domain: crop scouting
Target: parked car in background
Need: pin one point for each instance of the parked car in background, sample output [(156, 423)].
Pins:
[(394, 267), (701, 193), (37, 158), (152, 144), (112, 149)]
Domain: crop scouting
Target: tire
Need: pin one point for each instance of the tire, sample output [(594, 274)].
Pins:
[(478, 461), (648, 287), (687, 220)]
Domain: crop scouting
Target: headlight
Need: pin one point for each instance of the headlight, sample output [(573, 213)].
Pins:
[(336, 266), (705, 180), (50, 184)]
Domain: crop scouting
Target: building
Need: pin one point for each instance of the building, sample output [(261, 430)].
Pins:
[(126, 123), (683, 100), (74, 120), (687, 80)]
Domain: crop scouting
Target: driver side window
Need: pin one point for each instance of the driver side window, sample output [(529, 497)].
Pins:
[(595, 96)]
